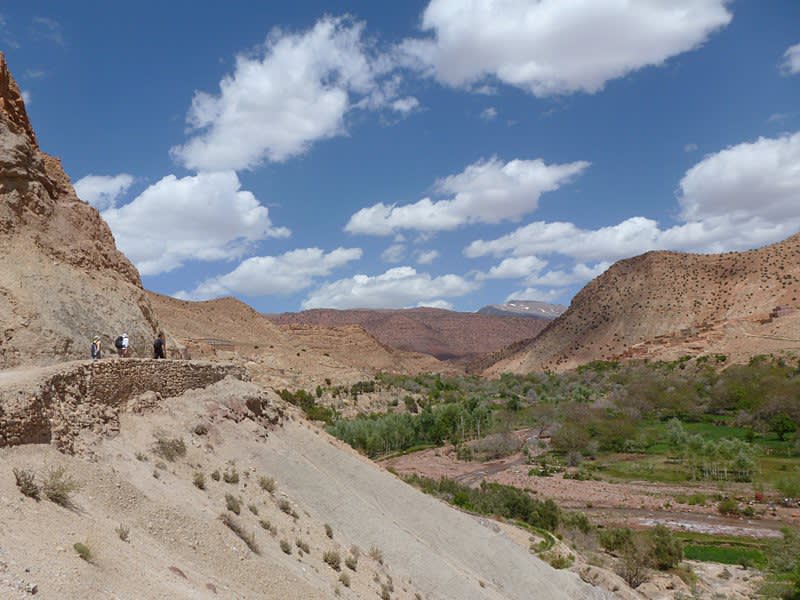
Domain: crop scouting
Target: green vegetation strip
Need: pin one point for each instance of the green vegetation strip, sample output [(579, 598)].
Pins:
[(729, 555)]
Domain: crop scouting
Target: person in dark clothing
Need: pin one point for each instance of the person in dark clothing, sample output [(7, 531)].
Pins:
[(159, 346), (96, 347)]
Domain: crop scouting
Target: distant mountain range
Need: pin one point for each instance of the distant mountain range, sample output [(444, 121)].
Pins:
[(524, 308), (445, 334)]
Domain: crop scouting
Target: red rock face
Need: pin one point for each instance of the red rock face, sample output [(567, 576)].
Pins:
[(445, 334), (62, 279)]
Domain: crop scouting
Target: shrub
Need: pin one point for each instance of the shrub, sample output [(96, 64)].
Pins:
[(199, 480), (344, 578), (123, 532), (252, 508), (496, 445), (268, 526), (285, 506), (332, 559), (376, 554), (168, 448), (351, 562), (286, 547), (303, 546), (267, 484), (616, 539), (215, 475), (666, 551), (728, 506), (58, 487), (558, 560), (231, 475), (84, 551), (233, 503), (248, 538), (633, 565), (697, 499), (328, 531), (26, 483)]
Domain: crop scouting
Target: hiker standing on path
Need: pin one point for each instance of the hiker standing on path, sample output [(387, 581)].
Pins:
[(159, 346), (121, 344), (96, 344)]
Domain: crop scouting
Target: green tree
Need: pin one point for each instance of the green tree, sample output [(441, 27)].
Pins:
[(666, 550), (781, 424)]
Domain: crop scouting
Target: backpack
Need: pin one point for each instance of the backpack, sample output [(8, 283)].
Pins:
[(118, 343)]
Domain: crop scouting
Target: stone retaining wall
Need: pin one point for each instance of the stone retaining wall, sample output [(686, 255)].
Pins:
[(89, 395)]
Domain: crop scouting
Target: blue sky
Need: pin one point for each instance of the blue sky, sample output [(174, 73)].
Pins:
[(444, 153)]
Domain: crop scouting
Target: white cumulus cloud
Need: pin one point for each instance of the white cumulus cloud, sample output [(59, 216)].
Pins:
[(394, 253), (489, 114), (742, 197), (275, 275), (551, 47), (294, 90), (538, 294), (485, 192), (405, 105), (791, 60), (102, 191), (396, 288), (558, 278), (203, 217), (515, 268), (426, 257), (760, 178)]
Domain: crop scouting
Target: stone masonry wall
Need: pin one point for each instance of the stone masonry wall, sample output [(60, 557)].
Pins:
[(89, 395)]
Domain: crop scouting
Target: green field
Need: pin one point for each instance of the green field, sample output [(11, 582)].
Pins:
[(729, 555)]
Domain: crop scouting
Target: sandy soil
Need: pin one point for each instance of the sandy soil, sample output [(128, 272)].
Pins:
[(179, 548)]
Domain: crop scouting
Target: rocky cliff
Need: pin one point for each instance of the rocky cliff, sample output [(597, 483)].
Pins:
[(62, 279)]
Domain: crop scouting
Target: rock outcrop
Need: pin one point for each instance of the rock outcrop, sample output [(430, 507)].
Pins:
[(666, 304), (62, 279)]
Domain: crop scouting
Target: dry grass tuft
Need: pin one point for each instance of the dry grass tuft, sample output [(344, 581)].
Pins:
[(123, 532), (58, 487), (235, 527), (233, 503), (333, 560), (267, 484), (168, 448), (26, 483)]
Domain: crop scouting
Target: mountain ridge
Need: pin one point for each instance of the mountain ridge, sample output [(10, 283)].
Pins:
[(444, 334), (662, 304), (533, 309)]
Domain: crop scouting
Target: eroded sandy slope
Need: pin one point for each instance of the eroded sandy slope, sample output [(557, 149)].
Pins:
[(179, 548)]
